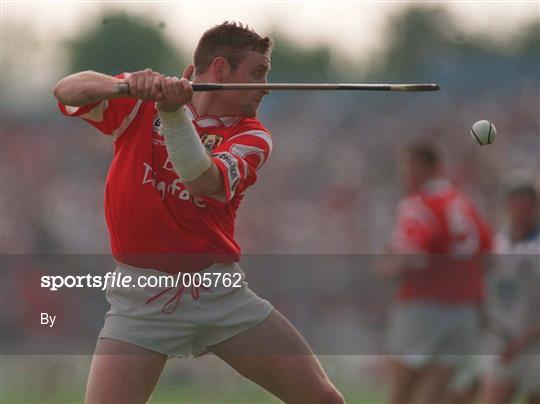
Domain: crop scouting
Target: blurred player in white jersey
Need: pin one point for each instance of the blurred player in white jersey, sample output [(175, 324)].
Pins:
[(512, 365), (436, 255), (182, 165)]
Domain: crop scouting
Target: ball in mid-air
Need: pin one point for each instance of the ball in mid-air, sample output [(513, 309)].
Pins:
[(483, 132)]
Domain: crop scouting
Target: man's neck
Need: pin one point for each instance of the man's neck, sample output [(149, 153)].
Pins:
[(205, 102), (204, 105)]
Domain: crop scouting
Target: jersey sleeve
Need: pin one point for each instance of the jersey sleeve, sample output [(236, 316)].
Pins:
[(240, 158), (415, 227), (111, 117)]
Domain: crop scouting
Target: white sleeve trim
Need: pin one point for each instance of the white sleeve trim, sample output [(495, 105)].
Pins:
[(95, 114), (242, 151), (257, 133), (71, 110), (233, 175), (127, 121)]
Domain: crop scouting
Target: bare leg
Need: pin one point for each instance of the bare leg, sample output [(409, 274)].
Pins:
[(533, 398), (123, 373), (432, 387), (466, 396), (404, 381), (275, 356), (498, 391)]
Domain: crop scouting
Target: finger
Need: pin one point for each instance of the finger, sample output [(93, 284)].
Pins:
[(177, 88), (164, 88), (171, 89), (188, 72), (148, 85), (187, 89), (139, 91), (155, 87)]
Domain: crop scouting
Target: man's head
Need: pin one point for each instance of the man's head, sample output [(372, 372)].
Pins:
[(233, 53), (419, 163), (523, 209)]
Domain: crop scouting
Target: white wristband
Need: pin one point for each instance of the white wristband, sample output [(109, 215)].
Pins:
[(185, 149)]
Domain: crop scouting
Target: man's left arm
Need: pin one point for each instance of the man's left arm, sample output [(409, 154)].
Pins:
[(210, 183), (229, 170)]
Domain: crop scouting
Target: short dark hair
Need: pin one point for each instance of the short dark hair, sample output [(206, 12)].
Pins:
[(425, 152), (523, 189), (228, 40)]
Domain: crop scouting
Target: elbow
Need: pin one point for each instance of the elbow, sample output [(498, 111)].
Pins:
[(62, 93), (210, 183), (70, 90), (58, 93)]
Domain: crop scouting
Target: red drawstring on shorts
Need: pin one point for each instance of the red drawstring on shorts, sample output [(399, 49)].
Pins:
[(195, 293)]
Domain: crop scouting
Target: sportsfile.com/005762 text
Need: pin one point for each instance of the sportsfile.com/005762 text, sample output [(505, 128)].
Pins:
[(114, 279)]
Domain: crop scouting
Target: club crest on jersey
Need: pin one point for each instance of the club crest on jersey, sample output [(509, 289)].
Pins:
[(156, 123), (157, 137), (210, 142)]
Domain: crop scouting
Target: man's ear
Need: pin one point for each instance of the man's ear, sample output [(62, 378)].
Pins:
[(221, 69)]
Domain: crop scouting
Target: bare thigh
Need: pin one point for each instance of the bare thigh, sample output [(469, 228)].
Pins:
[(275, 356), (533, 398), (404, 381), (498, 391), (123, 373), (433, 385)]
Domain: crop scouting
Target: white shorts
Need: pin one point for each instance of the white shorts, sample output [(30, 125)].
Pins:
[(202, 317), (419, 333)]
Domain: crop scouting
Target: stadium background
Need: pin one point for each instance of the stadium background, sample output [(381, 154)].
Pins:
[(309, 230)]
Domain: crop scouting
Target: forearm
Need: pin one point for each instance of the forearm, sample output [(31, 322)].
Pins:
[(188, 156), (85, 88), (210, 183)]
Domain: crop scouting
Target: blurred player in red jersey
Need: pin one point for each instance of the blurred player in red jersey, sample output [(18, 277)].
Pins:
[(436, 253), (181, 167)]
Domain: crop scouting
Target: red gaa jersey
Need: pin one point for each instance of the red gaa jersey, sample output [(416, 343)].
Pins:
[(153, 220), (442, 226)]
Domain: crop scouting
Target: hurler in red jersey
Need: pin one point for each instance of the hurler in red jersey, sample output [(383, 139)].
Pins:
[(436, 255), (182, 164)]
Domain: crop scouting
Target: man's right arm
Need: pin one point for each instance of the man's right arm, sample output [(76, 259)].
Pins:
[(88, 87), (85, 88)]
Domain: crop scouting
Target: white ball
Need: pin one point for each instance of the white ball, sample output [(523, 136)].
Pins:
[(483, 132)]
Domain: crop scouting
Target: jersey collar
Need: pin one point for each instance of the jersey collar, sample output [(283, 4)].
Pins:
[(436, 185), (210, 121)]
